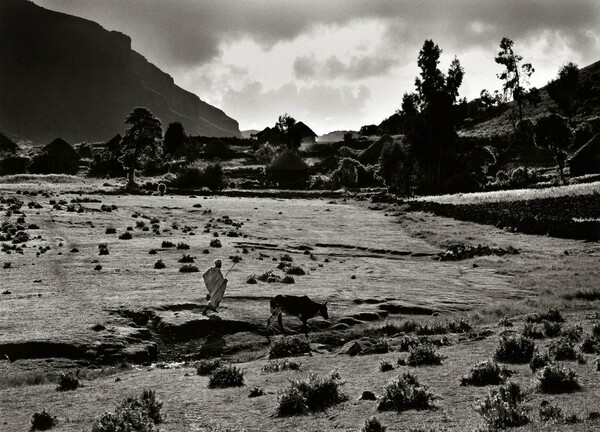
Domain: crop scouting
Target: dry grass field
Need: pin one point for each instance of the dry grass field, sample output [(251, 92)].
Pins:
[(374, 267)]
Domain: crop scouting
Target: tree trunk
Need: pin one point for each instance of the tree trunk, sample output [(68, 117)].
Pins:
[(131, 177)]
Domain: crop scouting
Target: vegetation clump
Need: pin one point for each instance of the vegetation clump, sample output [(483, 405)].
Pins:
[(538, 361), (550, 413), (226, 376), (134, 414), (67, 381), (289, 347), (183, 246), (485, 373), (126, 236), (563, 349), (405, 393), (554, 378), (256, 392), (385, 366), (503, 407), (514, 349), (296, 271), (552, 315), (313, 395), (188, 268), (281, 365), (43, 421), (207, 367), (424, 355), (373, 425), (103, 249), (186, 259), (216, 243), (167, 244), (159, 264)]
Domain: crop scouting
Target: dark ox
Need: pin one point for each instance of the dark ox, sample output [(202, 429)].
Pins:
[(299, 306)]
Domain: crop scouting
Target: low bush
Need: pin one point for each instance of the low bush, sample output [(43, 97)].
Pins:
[(159, 264), (554, 378), (216, 243), (133, 415), (287, 279), (385, 366), (289, 347), (590, 345), (503, 407), (296, 271), (256, 392), (405, 343), (281, 365), (126, 236), (42, 421), (207, 367), (550, 413), (167, 244), (67, 381), (563, 349), (103, 249), (552, 314), (533, 331), (186, 259), (514, 349), (183, 246), (423, 355), (226, 376), (373, 425), (573, 333), (485, 373), (538, 361), (188, 268), (552, 329), (405, 393), (111, 230), (313, 395)]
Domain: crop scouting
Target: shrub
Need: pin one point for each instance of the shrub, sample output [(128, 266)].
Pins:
[(188, 268), (186, 259), (213, 177), (159, 264), (281, 365), (167, 244), (385, 366), (216, 243), (183, 246), (296, 271), (67, 381), (251, 280), (590, 345), (555, 379), (514, 349), (126, 236), (423, 355), (7, 264), (287, 279), (103, 249), (485, 373), (312, 395), (552, 329), (573, 333), (256, 392), (533, 331), (549, 412), (505, 322), (42, 421), (563, 349), (404, 393), (289, 347), (503, 407), (207, 367), (552, 314), (226, 376), (373, 425), (111, 230), (133, 415), (405, 343), (538, 361)]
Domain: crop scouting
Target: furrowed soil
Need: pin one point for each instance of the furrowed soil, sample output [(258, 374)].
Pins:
[(70, 307)]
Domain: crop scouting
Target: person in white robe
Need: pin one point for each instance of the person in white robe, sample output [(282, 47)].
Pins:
[(216, 285)]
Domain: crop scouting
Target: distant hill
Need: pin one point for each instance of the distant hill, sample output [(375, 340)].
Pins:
[(66, 76), (247, 133), (335, 136)]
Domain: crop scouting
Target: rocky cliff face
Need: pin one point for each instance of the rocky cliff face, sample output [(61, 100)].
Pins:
[(65, 76)]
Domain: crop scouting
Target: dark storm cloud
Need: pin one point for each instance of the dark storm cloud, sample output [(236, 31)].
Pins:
[(187, 32), (356, 68)]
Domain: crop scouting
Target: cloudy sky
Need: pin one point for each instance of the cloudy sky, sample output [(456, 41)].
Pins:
[(338, 64)]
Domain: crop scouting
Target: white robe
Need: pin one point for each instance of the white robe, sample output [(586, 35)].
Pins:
[(215, 284)]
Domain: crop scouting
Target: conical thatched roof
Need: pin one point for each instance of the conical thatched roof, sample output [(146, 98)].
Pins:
[(60, 146), (304, 131), (6, 145), (288, 160), (586, 160), (370, 156)]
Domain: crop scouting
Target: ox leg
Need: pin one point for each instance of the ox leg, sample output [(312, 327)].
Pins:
[(268, 324), (304, 327)]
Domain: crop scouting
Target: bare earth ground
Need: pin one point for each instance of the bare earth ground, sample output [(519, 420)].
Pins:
[(58, 297)]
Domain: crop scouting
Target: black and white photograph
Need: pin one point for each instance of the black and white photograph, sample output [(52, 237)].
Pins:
[(307, 215)]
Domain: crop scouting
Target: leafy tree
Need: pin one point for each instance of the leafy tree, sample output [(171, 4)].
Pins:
[(369, 130), (515, 76), (490, 100), (552, 132), (563, 90), (397, 168), (291, 135), (175, 138), (141, 142), (348, 137), (431, 116), (346, 175)]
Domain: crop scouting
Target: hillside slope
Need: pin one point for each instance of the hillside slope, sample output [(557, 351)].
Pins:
[(66, 76)]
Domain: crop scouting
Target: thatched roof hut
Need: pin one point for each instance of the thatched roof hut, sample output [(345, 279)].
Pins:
[(215, 148), (57, 157), (370, 155), (288, 169), (586, 160)]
